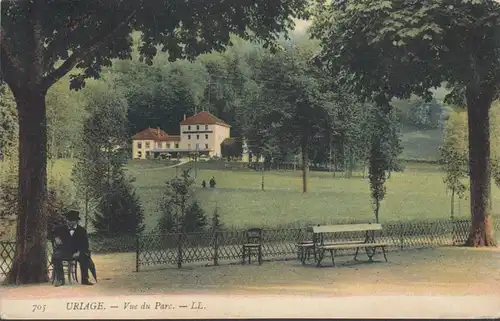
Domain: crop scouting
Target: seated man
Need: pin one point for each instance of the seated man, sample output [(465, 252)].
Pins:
[(70, 241)]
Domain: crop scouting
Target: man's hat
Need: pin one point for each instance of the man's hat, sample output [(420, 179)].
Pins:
[(73, 215)]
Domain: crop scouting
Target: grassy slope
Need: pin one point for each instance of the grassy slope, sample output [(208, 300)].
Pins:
[(416, 193)]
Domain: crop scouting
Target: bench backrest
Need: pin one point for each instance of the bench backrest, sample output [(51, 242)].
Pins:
[(346, 228)]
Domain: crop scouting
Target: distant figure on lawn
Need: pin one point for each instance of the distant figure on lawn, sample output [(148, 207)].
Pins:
[(70, 242), (212, 182), (203, 184)]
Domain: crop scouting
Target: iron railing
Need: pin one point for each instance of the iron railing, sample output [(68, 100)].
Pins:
[(216, 247), (280, 244)]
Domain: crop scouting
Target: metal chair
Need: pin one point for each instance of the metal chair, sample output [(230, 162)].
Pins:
[(305, 247), (253, 245)]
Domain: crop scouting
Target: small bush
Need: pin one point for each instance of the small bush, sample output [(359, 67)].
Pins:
[(119, 212), (180, 211)]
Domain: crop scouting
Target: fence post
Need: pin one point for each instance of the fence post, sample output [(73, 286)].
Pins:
[(401, 238), (137, 252), (179, 250), (453, 241), (216, 247)]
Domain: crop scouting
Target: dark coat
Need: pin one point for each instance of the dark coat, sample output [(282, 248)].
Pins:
[(79, 242)]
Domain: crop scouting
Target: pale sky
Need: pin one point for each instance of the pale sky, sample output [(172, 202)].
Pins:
[(302, 25)]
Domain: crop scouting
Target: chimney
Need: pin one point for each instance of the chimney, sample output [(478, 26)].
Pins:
[(184, 116)]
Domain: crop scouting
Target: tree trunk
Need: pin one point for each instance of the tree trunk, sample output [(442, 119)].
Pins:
[(30, 262), (478, 105), (377, 210), (305, 168), (452, 213)]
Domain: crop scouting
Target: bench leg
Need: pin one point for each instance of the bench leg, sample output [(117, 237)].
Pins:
[(332, 253), (356, 255), (304, 255), (260, 255), (243, 256), (321, 253), (383, 251), (370, 251)]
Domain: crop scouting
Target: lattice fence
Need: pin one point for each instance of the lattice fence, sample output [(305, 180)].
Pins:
[(280, 244), (7, 250)]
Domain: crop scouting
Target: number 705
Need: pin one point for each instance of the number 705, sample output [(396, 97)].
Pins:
[(38, 307)]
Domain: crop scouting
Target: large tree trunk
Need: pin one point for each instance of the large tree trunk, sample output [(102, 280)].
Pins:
[(30, 262), (478, 105)]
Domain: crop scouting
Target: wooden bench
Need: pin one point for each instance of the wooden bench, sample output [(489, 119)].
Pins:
[(319, 247)]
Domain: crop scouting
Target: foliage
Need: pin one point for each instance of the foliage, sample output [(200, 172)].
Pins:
[(119, 211), (195, 219), (65, 112), (384, 150), (42, 41), (396, 48), (453, 153), (216, 224), (424, 114), (8, 122), (180, 211), (232, 148)]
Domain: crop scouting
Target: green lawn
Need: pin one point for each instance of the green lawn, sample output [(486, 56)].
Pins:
[(417, 193)]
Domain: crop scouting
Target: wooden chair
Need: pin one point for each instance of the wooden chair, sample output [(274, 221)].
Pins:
[(71, 267), (70, 264), (253, 245)]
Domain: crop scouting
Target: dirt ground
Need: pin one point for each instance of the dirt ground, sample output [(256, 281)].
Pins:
[(442, 271), (444, 282)]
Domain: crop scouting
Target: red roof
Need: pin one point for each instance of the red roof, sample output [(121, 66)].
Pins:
[(204, 118), (155, 134)]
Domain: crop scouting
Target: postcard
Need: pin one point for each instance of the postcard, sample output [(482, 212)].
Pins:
[(218, 159)]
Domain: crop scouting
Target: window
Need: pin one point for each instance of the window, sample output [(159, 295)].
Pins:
[(206, 146), (158, 145), (206, 136), (197, 146), (139, 145), (197, 127), (147, 145), (189, 136), (206, 127), (168, 145), (176, 145), (197, 136), (189, 127), (189, 146)]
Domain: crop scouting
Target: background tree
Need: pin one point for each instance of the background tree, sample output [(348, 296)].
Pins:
[(179, 209), (384, 148), (454, 157), (8, 122), (402, 48), (231, 148), (120, 212)]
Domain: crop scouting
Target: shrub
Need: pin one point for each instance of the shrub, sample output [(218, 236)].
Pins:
[(119, 211), (180, 211)]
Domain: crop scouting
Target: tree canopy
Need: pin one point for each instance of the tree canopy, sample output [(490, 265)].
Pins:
[(395, 48), (42, 41)]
